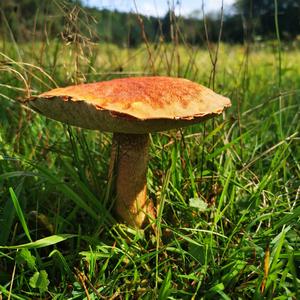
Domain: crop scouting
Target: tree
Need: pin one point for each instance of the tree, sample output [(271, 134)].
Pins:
[(259, 16)]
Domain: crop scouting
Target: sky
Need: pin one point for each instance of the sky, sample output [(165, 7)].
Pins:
[(159, 7)]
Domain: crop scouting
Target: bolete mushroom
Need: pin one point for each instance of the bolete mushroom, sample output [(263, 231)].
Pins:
[(131, 108)]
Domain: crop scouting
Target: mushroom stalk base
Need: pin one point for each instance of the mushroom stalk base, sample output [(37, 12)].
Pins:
[(130, 161)]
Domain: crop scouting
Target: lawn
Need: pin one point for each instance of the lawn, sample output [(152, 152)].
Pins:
[(227, 190)]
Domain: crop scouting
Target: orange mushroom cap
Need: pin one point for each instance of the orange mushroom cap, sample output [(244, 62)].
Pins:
[(131, 105)]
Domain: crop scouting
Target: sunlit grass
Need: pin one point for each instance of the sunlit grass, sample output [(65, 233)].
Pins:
[(228, 195)]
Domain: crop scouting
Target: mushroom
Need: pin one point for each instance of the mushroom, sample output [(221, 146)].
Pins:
[(131, 108)]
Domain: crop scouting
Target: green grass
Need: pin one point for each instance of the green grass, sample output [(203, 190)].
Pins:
[(228, 191)]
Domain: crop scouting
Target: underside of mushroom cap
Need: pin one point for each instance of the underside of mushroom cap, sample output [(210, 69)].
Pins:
[(131, 105)]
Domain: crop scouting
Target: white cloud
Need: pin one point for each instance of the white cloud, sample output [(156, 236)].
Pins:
[(159, 7), (149, 9)]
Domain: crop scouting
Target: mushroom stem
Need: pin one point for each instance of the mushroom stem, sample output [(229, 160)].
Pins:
[(130, 160)]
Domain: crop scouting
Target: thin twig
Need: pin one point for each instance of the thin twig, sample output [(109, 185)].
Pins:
[(81, 279), (12, 280)]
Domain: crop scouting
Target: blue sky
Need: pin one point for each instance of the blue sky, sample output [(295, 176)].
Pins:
[(159, 7)]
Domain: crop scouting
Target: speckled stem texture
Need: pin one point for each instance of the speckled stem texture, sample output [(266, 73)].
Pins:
[(131, 163)]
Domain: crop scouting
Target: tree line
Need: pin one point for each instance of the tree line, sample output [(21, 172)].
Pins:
[(69, 19)]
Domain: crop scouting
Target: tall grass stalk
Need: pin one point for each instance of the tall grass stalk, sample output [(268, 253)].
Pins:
[(238, 240), (279, 50)]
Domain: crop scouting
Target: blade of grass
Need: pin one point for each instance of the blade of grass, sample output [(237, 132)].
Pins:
[(19, 212), (44, 242)]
